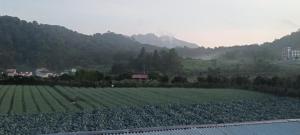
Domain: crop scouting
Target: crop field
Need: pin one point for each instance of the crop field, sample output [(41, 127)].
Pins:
[(58, 109), (19, 99), (270, 108)]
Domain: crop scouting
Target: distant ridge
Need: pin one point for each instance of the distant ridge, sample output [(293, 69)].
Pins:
[(267, 51), (162, 41)]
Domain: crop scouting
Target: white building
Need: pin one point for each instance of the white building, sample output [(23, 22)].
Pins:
[(296, 54), (69, 71), (74, 70), (290, 54), (43, 73), (11, 72), (25, 74)]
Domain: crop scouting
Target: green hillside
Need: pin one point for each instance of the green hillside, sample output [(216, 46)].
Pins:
[(29, 45), (268, 51)]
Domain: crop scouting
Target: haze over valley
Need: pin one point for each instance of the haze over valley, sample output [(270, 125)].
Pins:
[(144, 67)]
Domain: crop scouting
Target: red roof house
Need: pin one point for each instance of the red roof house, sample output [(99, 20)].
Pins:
[(140, 76)]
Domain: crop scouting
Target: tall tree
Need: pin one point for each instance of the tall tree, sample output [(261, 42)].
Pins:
[(173, 62), (156, 61)]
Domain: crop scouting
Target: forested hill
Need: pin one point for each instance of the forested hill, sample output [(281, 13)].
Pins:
[(266, 51), (30, 45)]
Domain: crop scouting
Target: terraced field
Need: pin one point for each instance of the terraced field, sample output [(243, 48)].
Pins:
[(18, 99)]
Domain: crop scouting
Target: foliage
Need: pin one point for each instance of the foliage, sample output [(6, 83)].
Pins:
[(164, 79), (166, 62), (128, 117), (179, 79), (89, 75)]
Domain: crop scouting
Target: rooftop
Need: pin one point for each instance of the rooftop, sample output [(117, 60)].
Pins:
[(140, 76), (11, 70), (275, 127)]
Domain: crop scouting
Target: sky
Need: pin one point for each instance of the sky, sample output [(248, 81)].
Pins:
[(208, 23)]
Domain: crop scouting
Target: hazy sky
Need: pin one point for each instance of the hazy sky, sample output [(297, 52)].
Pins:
[(205, 22)]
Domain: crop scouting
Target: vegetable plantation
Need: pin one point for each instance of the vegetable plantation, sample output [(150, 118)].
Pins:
[(151, 116), (19, 99), (57, 109)]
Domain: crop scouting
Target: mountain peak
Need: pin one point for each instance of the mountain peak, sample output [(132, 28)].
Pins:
[(162, 41)]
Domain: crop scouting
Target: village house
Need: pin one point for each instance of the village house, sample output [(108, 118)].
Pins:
[(25, 74), (142, 76), (290, 54), (69, 71), (11, 72), (43, 73)]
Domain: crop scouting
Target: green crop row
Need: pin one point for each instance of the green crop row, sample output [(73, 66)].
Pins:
[(20, 99)]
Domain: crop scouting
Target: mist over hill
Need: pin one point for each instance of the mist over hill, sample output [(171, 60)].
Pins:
[(163, 41), (267, 51), (29, 45)]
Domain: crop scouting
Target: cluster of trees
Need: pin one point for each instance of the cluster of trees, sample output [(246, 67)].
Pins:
[(283, 86), (84, 75), (164, 61)]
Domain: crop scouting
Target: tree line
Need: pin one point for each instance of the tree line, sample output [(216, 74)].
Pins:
[(281, 86), (164, 62)]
